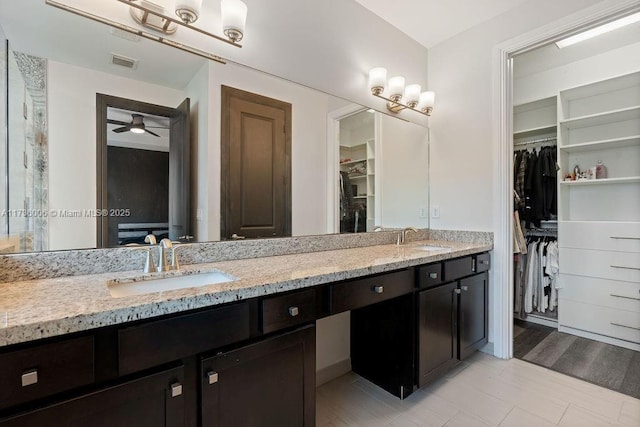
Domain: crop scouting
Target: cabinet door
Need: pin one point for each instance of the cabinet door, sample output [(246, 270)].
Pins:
[(270, 383), (154, 400), (437, 332), (473, 320)]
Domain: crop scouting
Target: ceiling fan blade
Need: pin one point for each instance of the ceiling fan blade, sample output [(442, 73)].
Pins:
[(117, 122), (154, 134), (122, 129)]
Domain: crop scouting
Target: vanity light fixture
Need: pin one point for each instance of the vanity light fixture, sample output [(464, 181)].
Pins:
[(398, 96), (233, 12)]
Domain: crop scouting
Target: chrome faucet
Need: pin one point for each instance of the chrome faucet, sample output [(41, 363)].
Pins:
[(402, 235), (163, 264)]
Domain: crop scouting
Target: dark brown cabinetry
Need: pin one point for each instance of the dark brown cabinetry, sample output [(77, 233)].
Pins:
[(473, 320), (154, 400), (437, 332), (269, 383), (452, 318)]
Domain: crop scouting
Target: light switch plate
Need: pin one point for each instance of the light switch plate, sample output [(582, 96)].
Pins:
[(435, 212)]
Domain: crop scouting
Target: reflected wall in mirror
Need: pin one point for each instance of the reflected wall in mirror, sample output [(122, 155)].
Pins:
[(79, 57)]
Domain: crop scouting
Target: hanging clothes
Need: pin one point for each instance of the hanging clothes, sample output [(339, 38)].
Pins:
[(535, 277)]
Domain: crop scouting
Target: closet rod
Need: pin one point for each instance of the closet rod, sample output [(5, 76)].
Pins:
[(535, 141)]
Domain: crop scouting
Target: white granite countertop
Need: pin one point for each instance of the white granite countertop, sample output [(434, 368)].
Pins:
[(35, 309)]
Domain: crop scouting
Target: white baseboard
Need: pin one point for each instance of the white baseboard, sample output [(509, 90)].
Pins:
[(332, 372)]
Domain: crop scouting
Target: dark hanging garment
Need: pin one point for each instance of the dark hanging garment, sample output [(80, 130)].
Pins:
[(549, 182)]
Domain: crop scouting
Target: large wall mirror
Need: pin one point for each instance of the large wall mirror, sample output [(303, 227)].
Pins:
[(55, 63)]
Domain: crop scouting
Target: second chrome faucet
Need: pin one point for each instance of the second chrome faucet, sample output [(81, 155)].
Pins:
[(163, 264)]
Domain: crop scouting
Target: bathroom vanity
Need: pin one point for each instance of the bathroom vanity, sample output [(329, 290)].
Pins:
[(243, 352)]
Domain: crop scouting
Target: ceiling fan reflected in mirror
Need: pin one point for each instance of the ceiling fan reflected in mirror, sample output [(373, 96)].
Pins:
[(136, 126)]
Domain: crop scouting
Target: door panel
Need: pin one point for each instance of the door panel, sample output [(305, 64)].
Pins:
[(474, 326), (256, 167), (437, 332)]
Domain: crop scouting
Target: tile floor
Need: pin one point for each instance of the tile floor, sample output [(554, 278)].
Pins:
[(483, 391)]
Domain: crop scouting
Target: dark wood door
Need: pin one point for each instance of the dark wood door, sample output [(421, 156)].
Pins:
[(256, 165), (267, 384), (151, 401), (437, 332), (473, 320)]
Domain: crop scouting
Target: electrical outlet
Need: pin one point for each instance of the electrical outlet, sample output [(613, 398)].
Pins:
[(422, 213), (435, 212)]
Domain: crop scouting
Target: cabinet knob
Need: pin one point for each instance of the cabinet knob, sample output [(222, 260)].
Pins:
[(464, 288), (294, 311), (433, 275), (457, 291), (484, 262), (30, 378), (212, 377), (176, 389), (378, 289)]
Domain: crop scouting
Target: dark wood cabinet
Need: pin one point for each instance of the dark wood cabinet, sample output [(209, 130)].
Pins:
[(473, 317), (153, 400), (269, 383), (437, 332)]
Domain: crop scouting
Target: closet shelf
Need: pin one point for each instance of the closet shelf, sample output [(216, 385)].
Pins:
[(627, 141), (606, 117), (534, 132), (353, 146), (359, 197), (625, 180), (352, 177), (350, 162)]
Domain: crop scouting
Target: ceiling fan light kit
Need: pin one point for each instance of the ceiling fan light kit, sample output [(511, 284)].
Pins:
[(136, 126)]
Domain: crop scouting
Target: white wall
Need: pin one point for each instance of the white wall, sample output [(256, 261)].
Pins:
[(548, 83), (463, 148), (72, 143), (404, 173)]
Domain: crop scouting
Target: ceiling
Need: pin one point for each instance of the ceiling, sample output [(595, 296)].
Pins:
[(433, 21)]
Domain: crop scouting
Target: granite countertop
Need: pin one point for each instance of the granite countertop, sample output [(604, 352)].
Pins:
[(35, 309)]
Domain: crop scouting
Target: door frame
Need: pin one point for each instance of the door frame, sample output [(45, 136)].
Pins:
[(103, 103), (225, 151), (502, 301), (333, 162)]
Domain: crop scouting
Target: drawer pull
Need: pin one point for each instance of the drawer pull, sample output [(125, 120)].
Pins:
[(433, 275), (457, 291), (626, 326), (624, 238), (464, 288), (626, 268), (484, 262), (176, 389), (294, 311), (378, 289), (212, 377), (30, 378), (625, 296)]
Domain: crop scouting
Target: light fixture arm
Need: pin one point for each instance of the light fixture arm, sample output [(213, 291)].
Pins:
[(394, 105), (136, 4)]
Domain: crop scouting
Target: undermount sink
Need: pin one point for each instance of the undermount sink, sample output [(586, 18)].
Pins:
[(150, 284), (432, 248)]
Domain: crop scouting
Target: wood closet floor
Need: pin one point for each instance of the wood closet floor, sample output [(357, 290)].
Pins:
[(482, 391), (606, 365)]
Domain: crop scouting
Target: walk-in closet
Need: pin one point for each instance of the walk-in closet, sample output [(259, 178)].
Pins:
[(576, 209)]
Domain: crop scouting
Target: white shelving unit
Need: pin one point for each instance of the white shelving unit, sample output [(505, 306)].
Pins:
[(359, 160), (599, 220)]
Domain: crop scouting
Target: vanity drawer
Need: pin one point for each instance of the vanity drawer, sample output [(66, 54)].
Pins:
[(44, 370), (482, 262), (154, 343), (456, 268), (429, 275), (359, 293), (292, 309)]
